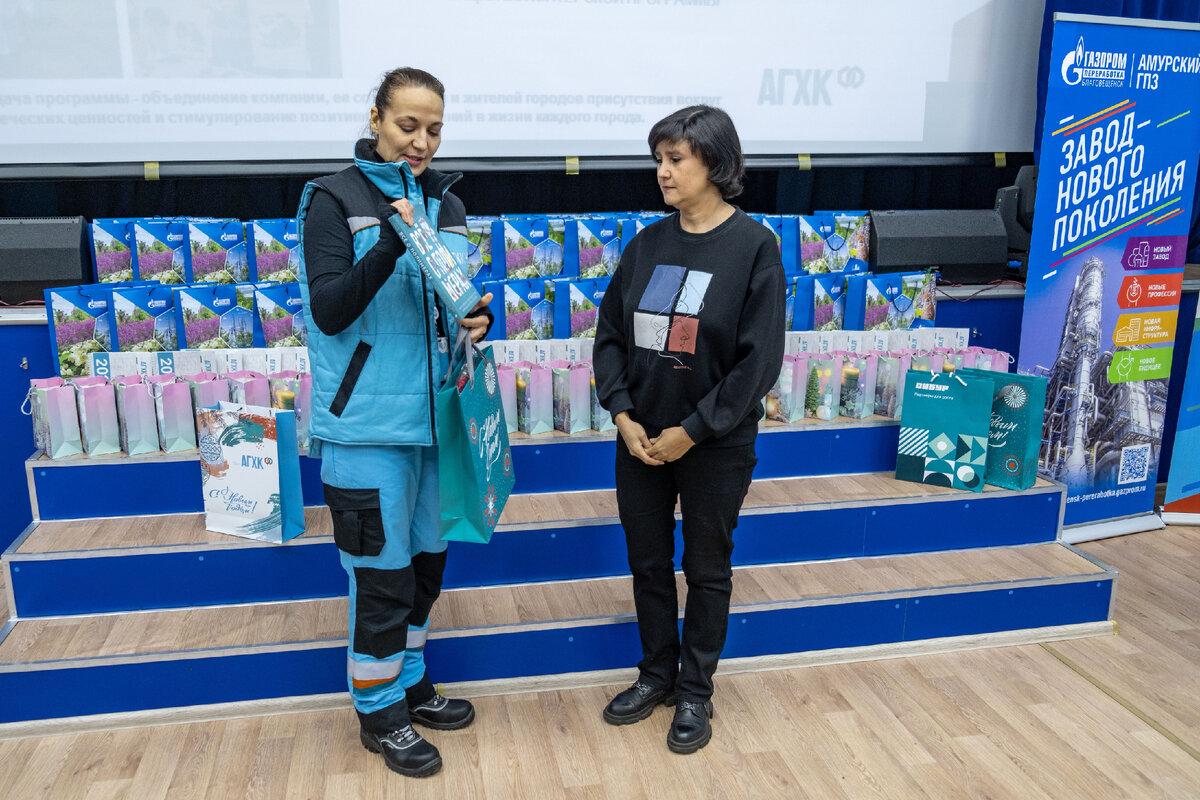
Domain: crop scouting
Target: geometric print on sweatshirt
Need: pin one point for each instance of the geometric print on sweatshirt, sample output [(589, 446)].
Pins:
[(940, 458), (668, 314)]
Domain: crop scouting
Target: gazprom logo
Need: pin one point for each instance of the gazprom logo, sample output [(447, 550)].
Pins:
[(229, 237), (1071, 65), (94, 304), (220, 301), (1094, 67), (157, 303), (174, 237)]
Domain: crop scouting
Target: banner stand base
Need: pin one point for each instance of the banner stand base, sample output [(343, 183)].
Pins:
[(1179, 518), (1091, 531)]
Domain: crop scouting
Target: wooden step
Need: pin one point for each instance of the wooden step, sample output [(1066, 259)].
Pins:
[(119, 564), (97, 664)]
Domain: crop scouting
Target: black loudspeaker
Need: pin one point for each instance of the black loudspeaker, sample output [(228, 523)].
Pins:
[(37, 254), (966, 246)]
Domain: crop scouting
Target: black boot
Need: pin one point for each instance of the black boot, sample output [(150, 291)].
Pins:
[(403, 749), (427, 706), (636, 703), (690, 730)]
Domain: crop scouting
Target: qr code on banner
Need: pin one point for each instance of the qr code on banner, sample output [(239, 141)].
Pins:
[(1135, 464)]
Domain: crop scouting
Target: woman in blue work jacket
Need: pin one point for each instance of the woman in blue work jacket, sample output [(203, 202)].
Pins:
[(378, 350)]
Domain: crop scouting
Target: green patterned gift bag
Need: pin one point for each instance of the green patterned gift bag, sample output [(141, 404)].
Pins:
[(1015, 435), (944, 430)]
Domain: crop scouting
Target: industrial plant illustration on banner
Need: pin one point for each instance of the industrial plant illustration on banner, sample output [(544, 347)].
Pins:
[(1116, 177)]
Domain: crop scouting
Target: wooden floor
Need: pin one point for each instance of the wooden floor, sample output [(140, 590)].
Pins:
[(1110, 717)]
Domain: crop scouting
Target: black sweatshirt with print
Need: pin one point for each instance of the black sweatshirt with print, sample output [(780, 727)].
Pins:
[(690, 331)]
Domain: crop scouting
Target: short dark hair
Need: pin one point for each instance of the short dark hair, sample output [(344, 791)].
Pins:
[(403, 77), (710, 133)]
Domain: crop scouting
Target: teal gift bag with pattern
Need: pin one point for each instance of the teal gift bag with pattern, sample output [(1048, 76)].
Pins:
[(1015, 436), (475, 470), (944, 430)]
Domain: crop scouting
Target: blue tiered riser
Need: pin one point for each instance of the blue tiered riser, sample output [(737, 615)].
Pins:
[(43, 582)]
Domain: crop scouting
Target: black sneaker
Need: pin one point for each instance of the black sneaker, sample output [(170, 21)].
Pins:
[(442, 713), (404, 751), (690, 729), (636, 703)]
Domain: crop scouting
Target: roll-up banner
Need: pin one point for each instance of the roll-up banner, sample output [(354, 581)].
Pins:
[(1183, 483), (1115, 184)]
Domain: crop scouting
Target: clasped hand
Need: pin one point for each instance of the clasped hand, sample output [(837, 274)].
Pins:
[(670, 445)]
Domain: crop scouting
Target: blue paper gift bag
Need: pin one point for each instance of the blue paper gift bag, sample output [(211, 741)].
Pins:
[(475, 470)]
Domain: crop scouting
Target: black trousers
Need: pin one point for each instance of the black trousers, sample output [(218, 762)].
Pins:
[(710, 485)]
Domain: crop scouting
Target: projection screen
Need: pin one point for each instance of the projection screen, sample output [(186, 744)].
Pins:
[(111, 81)]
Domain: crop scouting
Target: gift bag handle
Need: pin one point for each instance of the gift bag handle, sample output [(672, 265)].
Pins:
[(470, 351), (26, 407)]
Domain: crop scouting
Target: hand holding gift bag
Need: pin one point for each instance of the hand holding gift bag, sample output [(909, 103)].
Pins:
[(944, 430), (475, 470), (250, 471)]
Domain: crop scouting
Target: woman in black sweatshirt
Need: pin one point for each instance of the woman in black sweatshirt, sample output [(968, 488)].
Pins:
[(688, 342)]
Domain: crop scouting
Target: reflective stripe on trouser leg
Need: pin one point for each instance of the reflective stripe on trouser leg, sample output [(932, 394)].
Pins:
[(414, 656), (382, 586), (380, 601)]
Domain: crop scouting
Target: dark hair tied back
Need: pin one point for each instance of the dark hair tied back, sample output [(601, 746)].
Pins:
[(404, 77), (710, 133)]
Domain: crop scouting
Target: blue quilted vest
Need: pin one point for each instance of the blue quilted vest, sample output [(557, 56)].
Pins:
[(375, 382)]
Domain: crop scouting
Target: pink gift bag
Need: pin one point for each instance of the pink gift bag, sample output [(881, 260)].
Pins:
[(97, 405), (828, 368), (535, 398), (249, 388), (857, 394), (207, 389), (293, 390), (173, 412), (891, 370), (787, 399), (135, 416), (51, 404), (508, 394), (570, 382)]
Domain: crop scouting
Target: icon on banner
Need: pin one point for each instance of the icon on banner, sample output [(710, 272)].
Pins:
[(1124, 365), (1071, 72), (1134, 292), (1139, 255), (1128, 333)]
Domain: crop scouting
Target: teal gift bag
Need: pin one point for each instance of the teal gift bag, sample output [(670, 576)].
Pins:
[(475, 470), (944, 430), (1015, 435)]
